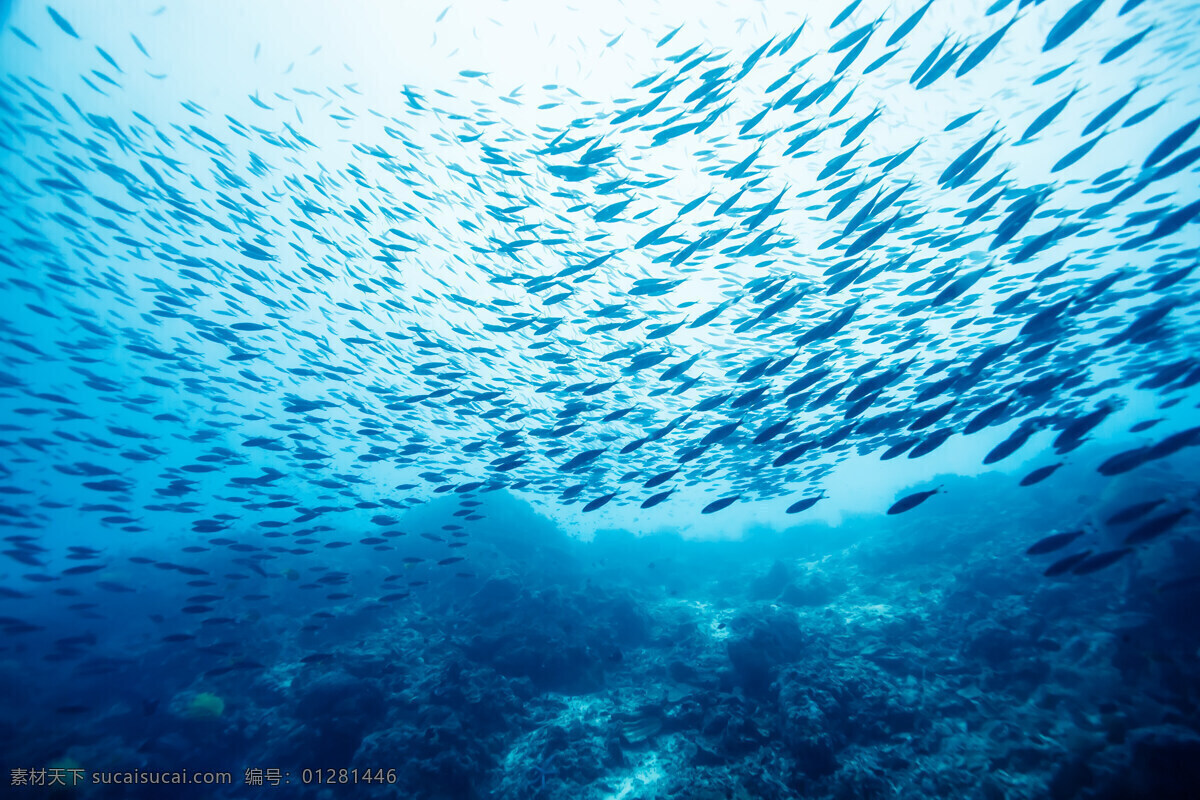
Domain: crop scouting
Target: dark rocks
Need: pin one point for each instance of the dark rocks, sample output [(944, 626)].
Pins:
[(336, 710), (442, 761), (480, 698), (770, 585), (893, 686), (740, 736), (494, 599), (558, 760), (688, 714), (1071, 778), (562, 642), (614, 756), (552, 663), (628, 622), (814, 589), (992, 644), (814, 755), (806, 727), (337, 695), (1165, 762), (991, 789), (760, 644), (682, 672), (703, 757)]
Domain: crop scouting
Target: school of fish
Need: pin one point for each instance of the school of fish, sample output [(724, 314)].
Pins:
[(217, 326)]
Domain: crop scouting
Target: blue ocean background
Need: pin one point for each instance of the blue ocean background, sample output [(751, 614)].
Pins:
[(615, 400)]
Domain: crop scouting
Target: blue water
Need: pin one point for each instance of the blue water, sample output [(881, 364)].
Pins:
[(677, 400)]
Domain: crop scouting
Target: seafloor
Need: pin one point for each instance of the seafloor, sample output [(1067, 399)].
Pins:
[(921, 656)]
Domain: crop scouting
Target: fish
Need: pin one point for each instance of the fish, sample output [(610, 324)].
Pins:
[(1125, 46), (717, 505), (656, 499), (1066, 564), (984, 49), (1155, 526), (911, 501), (1171, 143), (1010, 445), (1099, 561), (1051, 113), (1051, 74), (599, 502), (1040, 474), (804, 504), (1053, 542), (328, 338), (910, 22), (1070, 22), (845, 13), (62, 23), (1134, 511)]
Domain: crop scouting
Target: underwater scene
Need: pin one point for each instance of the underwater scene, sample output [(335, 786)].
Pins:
[(597, 400)]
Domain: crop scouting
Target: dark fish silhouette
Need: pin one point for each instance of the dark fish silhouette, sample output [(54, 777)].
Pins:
[(1099, 561), (911, 501), (1055, 541)]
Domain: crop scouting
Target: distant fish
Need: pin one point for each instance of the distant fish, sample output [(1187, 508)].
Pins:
[(717, 505), (1134, 512), (1099, 561), (1065, 565), (1171, 143), (1055, 541), (63, 25), (1040, 474), (644, 297), (911, 501), (804, 504), (1155, 526), (599, 502), (655, 499), (1070, 22), (909, 23), (1125, 46)]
